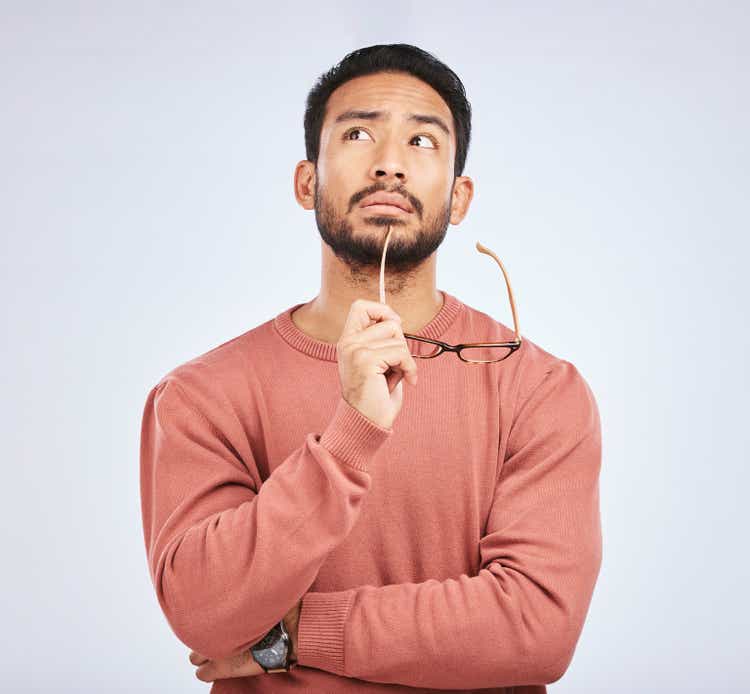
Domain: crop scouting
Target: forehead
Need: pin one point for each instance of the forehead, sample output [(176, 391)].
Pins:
[(398, 93)]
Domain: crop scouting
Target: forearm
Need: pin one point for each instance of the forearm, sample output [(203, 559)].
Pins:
[(228, 562), (492, 630)]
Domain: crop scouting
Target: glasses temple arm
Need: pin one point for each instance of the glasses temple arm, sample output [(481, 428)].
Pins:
[(483, 249)]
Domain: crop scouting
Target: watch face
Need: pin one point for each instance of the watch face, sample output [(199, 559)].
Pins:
[(271, 650), (269, 639)]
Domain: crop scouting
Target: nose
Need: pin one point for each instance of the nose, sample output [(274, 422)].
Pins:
[(389, 164)]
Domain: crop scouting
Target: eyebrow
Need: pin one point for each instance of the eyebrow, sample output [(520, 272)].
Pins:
[(375, 115)]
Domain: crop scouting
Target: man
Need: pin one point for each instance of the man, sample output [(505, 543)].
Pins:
[(311, 524)]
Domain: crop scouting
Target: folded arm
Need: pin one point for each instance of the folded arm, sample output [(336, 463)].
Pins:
[(228, 554), (518, 620)]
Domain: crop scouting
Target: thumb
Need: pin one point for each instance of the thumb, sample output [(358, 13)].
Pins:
[(397, 394), (392, 378)]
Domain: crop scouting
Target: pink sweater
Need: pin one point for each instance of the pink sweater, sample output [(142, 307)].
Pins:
[(457, 550)]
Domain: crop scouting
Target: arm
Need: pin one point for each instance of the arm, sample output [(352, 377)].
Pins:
[(516, 622), (228, 555)]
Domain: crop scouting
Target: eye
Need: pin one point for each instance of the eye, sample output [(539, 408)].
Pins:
[(354, 130), (427, 139)]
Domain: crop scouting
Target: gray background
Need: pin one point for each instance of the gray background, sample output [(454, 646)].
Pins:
[(147, 215)]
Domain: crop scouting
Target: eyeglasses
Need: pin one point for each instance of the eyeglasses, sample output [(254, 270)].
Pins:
[(469, 352)]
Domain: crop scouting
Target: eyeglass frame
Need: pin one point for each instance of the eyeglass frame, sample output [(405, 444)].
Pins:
[(445, 347)]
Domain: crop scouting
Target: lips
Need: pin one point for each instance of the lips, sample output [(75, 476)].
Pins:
[(387, 199)]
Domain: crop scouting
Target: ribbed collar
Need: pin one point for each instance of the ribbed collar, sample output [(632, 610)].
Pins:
[(326, 351)]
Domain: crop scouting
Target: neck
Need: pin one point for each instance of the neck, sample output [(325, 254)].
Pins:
[(413, 296)]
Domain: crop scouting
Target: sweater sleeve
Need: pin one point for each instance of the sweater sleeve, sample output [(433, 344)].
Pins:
[(518, 620), (229, 556)]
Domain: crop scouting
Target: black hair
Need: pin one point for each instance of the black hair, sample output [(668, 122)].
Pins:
[(395, 57)]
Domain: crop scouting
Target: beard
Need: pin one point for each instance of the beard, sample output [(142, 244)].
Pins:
[(363, 251)]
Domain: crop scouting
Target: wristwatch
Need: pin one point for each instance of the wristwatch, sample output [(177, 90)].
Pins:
[(274, 651)]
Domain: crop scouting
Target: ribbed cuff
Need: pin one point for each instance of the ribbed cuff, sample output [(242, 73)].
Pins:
[(352, 437), (320, 633)]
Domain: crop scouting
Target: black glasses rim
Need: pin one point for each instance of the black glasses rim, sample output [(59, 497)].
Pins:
[(444, 346)]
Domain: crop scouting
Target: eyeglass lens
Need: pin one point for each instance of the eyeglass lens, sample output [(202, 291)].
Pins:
[(425, 350)]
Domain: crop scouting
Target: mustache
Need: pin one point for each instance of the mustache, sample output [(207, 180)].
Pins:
[(377, 188)]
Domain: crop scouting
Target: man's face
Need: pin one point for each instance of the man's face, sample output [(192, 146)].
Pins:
[(362, 153)]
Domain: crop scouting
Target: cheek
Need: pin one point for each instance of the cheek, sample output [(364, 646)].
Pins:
[(347, 165), (330, 192), (437, 195)]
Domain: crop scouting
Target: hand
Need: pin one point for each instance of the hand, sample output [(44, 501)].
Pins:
[(240, 665), (243, 664), (373, 358)]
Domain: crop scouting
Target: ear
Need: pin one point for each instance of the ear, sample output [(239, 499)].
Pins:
[(304, 184), (463, 192)]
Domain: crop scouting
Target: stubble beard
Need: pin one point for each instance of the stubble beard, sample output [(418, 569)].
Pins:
[(362, 251)]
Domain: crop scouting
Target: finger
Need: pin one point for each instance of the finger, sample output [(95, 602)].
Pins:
[(398, 392), (206, 672), (363, 313), (386, 343), (395, 373), (398, 358), (197, 658), (393, 378), (384, 329), (239, 665)]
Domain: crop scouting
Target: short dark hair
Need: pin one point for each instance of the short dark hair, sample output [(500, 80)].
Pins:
[(395, 57)]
